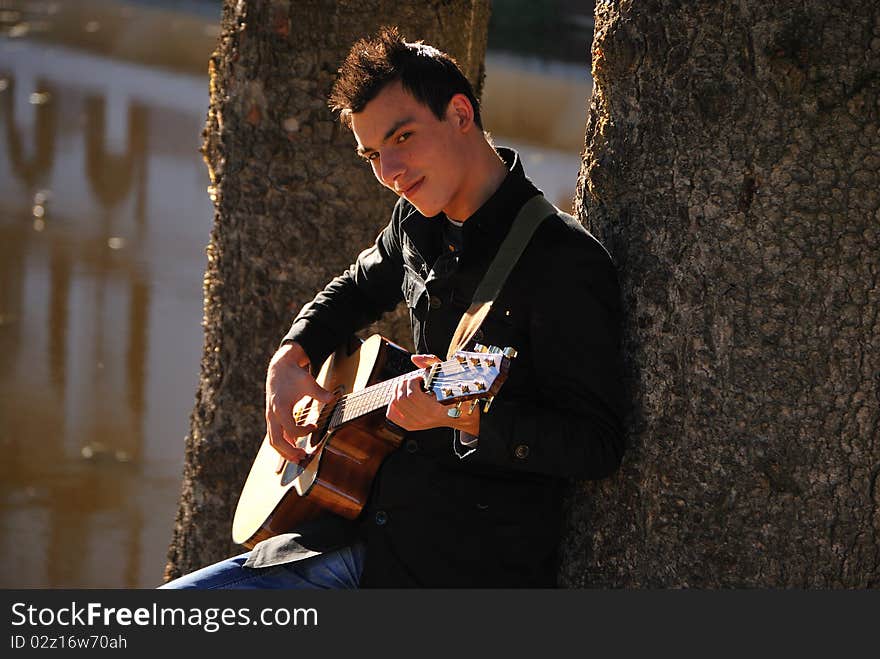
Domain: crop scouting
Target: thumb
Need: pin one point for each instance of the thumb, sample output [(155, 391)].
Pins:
[(423, 361)]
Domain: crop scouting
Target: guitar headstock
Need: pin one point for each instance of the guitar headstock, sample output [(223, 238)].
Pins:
[(470, 375)]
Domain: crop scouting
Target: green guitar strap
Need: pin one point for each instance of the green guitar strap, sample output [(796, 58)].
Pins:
[(534, 211)]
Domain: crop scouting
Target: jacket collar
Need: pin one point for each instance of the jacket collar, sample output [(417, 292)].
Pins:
[(491, 222)]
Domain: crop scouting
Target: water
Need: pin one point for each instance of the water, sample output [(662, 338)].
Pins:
[(104, 219)]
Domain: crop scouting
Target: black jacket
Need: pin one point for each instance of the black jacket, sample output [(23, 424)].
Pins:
[(492, 518)]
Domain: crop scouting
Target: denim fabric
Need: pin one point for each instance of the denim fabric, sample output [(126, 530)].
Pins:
[(339, 569)]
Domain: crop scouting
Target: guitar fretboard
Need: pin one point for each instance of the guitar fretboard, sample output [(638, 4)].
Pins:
[(453, 380), (357, 404)]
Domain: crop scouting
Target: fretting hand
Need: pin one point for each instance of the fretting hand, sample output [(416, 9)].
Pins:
[(412, 408)]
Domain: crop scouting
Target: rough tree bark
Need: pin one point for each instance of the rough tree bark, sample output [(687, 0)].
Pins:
[(731, 166), (293, 208)]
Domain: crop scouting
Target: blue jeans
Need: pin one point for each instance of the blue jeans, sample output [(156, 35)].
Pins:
[(339, 569)]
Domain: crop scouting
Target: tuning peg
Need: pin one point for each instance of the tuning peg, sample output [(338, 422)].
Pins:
[(509, 352), (454, 412), (488, 404), (479, 347), (475, 361), (474, 404), (494, 349), (447, 393), (461, 359)]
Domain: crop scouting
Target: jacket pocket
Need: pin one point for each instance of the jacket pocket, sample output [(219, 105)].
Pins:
[(414, 288), (415, 294)]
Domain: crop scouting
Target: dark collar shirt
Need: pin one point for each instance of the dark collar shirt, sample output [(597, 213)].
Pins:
[(489, 514)]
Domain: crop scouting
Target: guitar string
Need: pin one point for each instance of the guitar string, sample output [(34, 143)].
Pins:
[(380, 388), (355, 398), (329, 411), (441, 377)]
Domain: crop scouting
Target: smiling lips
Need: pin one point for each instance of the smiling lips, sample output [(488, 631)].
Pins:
[(406, 192)]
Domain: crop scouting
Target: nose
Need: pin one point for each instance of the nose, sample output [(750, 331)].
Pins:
[(390, 168)]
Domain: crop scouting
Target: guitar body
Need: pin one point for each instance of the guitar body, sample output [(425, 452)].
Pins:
[(279, 495)]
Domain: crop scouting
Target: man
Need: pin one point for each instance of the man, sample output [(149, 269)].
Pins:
[(473, 501)]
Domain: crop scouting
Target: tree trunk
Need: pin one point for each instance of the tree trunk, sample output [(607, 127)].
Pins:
[(293, 205), (731, 167)]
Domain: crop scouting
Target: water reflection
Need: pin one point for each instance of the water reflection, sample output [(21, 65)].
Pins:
[(39, 165), (103, 222), (59, 310), (110, 173)]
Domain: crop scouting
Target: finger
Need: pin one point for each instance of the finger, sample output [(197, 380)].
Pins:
[(318, 392), (292, 431), (288, 429), (273, 430), (399, 390), (423, 361), (291, 453), (414, 385), (282, 445), (401, 405), (391, 412)]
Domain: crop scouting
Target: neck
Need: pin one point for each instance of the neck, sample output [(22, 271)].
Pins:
[(484, 175)]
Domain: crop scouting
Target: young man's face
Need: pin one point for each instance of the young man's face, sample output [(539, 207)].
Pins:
[(411, 151)]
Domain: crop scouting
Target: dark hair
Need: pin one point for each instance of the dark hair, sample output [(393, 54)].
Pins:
[(431, 76)]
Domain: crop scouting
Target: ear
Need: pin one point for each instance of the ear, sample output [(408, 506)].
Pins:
[(460, 112)]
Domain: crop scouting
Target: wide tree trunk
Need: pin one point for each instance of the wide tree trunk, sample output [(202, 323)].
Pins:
[(294, 206), (731, 167)]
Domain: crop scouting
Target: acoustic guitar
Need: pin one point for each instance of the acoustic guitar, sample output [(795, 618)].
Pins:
[(353, 437)]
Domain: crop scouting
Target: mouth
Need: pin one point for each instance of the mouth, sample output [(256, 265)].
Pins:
[(412, 189)]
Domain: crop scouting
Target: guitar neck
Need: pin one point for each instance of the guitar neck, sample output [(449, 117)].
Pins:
[(467, 376), (360, 403)]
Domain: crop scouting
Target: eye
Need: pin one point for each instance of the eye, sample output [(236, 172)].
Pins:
[(371, 156), (403, 137)]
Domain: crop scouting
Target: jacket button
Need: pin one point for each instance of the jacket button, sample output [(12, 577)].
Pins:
[(381, 518), (436, 302), (412, 446), (521, 451)]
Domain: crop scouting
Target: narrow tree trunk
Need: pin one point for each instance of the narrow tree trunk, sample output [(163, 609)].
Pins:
[(731, 167), (293, 205)]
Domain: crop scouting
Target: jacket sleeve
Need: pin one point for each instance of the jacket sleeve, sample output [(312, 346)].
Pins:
[(570, 423), (370, 287)]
